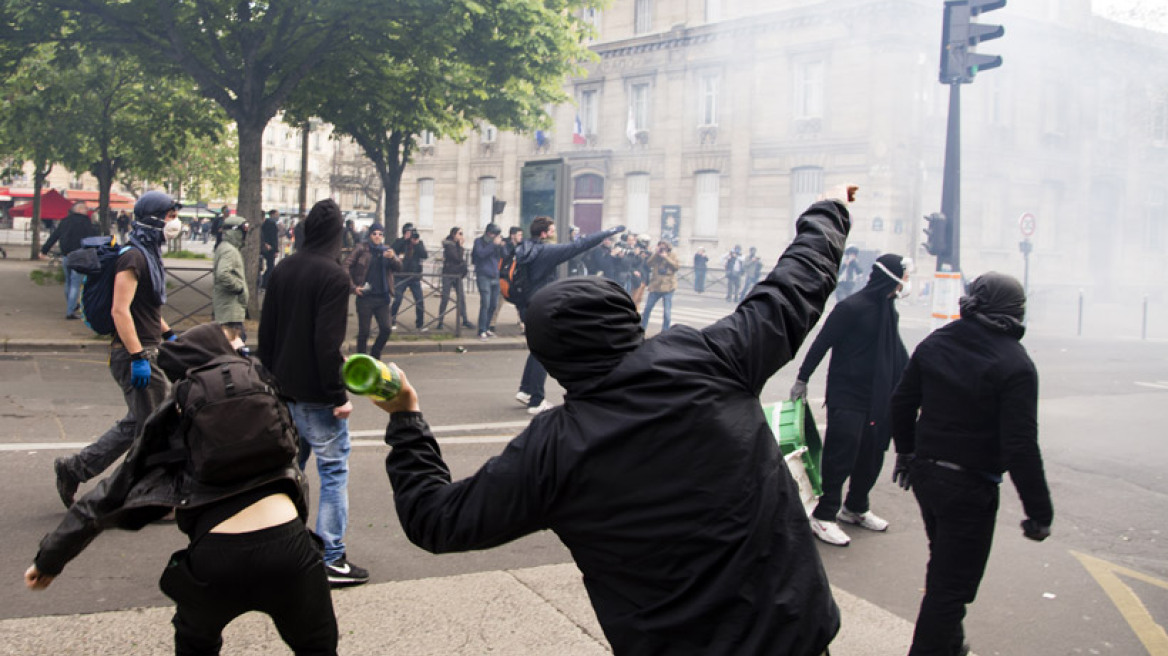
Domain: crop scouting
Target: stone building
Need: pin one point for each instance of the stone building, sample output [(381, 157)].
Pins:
[(731, 116)]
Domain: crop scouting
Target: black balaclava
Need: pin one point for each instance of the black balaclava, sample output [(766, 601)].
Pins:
[(891, 356), (193, 348), (581, 328), (879, 282), (996, 301), (323, 228)]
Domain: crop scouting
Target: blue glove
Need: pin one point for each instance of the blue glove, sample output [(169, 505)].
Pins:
[(169, 336), (140, 373)]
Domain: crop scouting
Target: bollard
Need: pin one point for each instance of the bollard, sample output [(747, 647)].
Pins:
[(1080, 333), (1144, 326)]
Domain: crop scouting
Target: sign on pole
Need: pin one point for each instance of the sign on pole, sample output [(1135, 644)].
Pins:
[(1027, 224)]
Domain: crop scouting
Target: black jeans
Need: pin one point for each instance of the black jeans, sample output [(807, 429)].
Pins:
[(140, 402), (850, 450), (277, 571), (368, 308), (959, 510), (412, 282), (449, 281), (269, 262)]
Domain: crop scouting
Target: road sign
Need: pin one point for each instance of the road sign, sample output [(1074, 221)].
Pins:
[(1027, 223)]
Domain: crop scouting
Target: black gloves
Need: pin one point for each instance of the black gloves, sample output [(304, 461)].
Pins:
[(799, 390), (1034, 531), (901, 469)]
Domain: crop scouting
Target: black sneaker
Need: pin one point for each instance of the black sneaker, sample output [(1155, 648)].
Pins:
[(67, 483), (342, 573)]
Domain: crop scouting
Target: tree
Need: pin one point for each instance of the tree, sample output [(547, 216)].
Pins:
[(442, 67), (132, 121), (208, 168), (246, 56), (37, 121)]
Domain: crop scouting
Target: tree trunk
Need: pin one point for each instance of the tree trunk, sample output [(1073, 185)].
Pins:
[(38, 183), (250, 188), (391, 174), (104, 172)]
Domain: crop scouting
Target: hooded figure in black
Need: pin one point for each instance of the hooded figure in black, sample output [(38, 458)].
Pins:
[(867, 358), (659, 472), (965, 412)]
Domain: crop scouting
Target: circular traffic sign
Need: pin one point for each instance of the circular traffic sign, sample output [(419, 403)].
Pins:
[(1027, 223)]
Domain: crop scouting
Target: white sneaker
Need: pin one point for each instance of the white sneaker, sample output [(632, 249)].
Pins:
[(523, 398), (829, 532), (863, 520), (542, 407), (483, 336)]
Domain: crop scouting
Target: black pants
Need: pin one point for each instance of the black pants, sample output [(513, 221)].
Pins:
[(959, 510), (368, 308), (851, 449), (277, 571), (269, 262), (412, 282), (449, 281)]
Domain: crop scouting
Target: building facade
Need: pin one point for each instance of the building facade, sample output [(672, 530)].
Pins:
[(723, 119)]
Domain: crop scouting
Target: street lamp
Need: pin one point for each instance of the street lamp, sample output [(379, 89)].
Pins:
[(308, 126)]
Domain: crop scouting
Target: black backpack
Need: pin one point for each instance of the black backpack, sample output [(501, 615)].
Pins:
[(97, 260), (234, 425), (513, 283)]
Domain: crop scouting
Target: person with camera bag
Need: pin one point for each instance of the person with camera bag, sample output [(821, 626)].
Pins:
[(663, 266), (412, 251)]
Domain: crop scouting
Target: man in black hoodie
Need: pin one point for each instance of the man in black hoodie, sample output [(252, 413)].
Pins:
[(867, 358), (659, 472), (966, 412), (302, 328), (69, 233)]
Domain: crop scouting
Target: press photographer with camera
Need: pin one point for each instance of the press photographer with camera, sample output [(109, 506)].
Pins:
[(412, 251), (663, 266)]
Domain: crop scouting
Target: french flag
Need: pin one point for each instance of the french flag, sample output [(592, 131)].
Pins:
[(578, 132)]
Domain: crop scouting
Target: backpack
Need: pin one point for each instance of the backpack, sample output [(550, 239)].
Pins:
[(513, 283), (234, 425), (97, 260)]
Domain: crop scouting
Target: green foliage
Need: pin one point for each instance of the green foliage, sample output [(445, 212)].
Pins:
[(184, 255), (207, 168), (54, 276)]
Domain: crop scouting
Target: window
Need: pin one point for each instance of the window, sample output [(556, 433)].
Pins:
[(713, 10), (486, 200), (642, 16), (488, 133), (639, 106), (1158, 128), (75, 182), (708, 186), (637, 211), (426, 138), (426, 202), (877, 224), (589, 111), (1110, 99), (708, 105), (591, 17), (809, 90), (806, 186), (898, 226), (1156, 221)]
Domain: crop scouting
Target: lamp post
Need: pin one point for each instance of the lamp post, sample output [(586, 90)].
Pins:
[(307, 127)]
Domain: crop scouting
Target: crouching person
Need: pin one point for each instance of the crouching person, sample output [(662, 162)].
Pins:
[(220, 451)]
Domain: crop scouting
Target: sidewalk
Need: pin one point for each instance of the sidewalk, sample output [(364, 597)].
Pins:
[(533, 611), (538, 611)]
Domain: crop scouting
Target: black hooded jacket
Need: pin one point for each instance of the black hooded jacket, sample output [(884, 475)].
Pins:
[(867, 354), (305, 314), (138, 493), (659, 472)]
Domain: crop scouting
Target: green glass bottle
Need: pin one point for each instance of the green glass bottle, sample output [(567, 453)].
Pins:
[(371, 377)]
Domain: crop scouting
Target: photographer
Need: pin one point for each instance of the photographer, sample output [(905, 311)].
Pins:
[(412, 251), (663, 266)]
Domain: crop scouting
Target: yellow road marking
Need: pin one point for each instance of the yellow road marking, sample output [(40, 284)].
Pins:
[(1133, 610)]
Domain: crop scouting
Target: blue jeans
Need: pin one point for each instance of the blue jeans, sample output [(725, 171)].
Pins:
[(488, 299), (73, 282), (667, 302), (328, 439)]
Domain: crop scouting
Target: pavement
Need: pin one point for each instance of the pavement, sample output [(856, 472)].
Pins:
[(529, 611)]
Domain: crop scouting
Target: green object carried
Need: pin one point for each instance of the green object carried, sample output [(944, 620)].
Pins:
[(371, 377), (794, 428)]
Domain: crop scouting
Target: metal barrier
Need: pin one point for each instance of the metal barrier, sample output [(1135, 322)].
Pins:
[(183, 284)]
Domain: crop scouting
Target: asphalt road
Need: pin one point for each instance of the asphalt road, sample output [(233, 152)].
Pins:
[(1101, 419)]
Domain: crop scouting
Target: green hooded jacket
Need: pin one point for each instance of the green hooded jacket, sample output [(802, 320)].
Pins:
[(229, 292)]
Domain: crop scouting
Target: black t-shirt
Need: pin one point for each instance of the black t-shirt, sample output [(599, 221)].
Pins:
[(144, 309)]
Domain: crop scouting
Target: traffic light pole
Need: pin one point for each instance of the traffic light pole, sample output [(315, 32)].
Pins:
[(951, 186)]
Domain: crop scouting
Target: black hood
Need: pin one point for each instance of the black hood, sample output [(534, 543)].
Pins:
[(581, 328), (323, 228), (879, 282), (193, 348), (996, 301)]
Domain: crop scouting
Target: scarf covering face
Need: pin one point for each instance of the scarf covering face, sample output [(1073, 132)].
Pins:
[(147, 237), (996, 301), (581, 328)]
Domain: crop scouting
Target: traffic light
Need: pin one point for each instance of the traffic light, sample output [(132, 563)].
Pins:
[(937, 235), (960, 35), (497, 206)]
